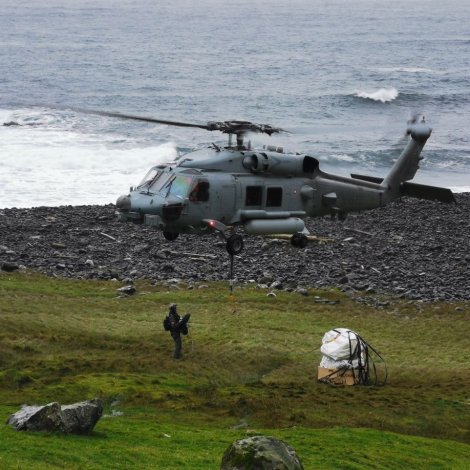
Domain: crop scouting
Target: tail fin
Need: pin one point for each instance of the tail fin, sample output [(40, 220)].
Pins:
[(408, 163), (396, 183)]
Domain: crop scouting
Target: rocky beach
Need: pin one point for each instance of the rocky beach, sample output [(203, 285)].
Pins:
[(412, 249)]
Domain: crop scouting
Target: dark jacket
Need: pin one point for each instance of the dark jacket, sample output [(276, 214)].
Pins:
[(175, 324)]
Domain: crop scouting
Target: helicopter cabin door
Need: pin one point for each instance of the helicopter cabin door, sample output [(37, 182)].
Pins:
[(213, 198), (225, 194), (200, 198)]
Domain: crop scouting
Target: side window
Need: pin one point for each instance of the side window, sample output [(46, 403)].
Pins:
[(274, 197), (200, 192), (253, 195)]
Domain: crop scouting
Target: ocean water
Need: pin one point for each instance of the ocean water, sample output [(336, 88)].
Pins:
[(342, 76)]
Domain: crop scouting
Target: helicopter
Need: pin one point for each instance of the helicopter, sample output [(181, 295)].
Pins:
[(263, 191)]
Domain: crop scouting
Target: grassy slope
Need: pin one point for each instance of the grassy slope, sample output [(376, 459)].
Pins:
[(249, 361)]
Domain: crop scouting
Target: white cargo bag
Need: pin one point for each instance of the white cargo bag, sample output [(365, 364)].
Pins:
[(340, 344)]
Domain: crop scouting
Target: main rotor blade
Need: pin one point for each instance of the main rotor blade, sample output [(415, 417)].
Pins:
[(227, 127), (139, 118)]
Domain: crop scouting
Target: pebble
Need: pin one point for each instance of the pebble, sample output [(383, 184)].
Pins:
[(414, 249)]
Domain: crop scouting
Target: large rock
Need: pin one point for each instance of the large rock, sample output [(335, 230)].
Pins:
[(37, 418), (78, 418), (260, 453), (9, 267)]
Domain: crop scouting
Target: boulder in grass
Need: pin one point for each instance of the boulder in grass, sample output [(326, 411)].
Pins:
[(126, 290), (78, 418), (260, 453), (9, 267), (37, 418)]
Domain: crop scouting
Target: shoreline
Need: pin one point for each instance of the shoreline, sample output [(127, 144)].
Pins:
[(462, 190), (413, 249)]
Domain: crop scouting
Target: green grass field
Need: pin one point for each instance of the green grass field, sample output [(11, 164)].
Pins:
[(249, 367)]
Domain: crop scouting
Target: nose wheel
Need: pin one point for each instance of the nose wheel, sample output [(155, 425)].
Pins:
[(234, 244)]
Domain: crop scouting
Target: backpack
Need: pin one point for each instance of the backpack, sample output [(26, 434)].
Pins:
[(166, 323), (184, 324)]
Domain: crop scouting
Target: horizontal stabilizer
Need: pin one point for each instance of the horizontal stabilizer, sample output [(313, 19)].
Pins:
[(422, 191), (370, 179)]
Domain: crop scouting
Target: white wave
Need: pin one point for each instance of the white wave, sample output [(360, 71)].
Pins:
[(336, 160), (54, 166), (409, 70), (37, 117), (341, 157), (385, 95)]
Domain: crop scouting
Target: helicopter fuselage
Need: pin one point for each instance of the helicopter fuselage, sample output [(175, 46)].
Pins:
[(265, 191)]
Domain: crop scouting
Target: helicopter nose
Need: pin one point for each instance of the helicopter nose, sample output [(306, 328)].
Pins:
[(123, 203)]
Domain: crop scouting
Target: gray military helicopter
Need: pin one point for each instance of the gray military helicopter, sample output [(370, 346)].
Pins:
[(264, 191)]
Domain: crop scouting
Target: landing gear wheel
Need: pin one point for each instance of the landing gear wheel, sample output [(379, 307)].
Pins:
[(299, 240), (171, 236), (234, 244)]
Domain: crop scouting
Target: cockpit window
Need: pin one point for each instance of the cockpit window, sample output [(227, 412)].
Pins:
[(178, 186), (159, 182), (149, 177)]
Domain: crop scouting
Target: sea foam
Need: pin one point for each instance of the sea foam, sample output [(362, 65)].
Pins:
[(385, 95), (57, 164)]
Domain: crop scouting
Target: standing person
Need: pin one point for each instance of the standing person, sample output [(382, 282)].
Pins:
[(176, 326)]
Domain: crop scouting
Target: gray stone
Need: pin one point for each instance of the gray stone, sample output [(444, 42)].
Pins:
[(58, 245), (276, 285), (78, 418), (9, 267), (36, 418), (127, 290), (267, 278), (260, 453), (144, 247)]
